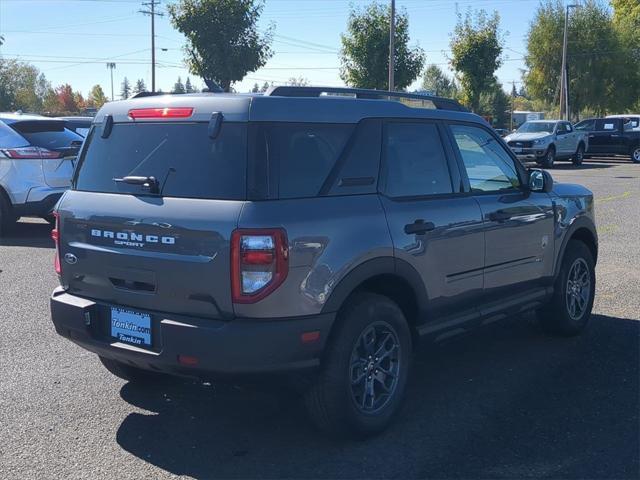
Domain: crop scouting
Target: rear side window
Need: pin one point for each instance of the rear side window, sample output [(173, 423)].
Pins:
[(415, 162), (9, 138), (607, 124), (51, 135), (181, 156), (299, 156)]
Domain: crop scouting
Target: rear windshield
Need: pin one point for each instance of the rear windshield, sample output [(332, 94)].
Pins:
[(51, 135), (181, 156)]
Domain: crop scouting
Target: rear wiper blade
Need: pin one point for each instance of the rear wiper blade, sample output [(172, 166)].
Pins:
[(150, 183)]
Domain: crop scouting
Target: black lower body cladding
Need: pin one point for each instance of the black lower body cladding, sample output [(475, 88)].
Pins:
[(214, 347)]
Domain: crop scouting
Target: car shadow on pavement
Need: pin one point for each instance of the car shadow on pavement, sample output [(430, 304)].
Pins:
[(28, 234), (502, 402)]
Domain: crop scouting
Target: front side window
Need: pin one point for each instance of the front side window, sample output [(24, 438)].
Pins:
[(489, 167), (415, 162), (585, 125)]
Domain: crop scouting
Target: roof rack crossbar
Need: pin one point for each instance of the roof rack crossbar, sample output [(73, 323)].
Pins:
[(364, 93)]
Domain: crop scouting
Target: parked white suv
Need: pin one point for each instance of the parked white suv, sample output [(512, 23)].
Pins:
[(545, 141), (36, 164)]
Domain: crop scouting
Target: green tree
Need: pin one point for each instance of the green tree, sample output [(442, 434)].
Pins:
[(22, 86), (188, 88), (125, 89), (495, 104), (434, 80), (96, 97), (139, 87), (364, 55), (223, 39), (476, 49), (626, 21), (265, 87), (178, 87), (601, 77), (256, 88), (297, 82)]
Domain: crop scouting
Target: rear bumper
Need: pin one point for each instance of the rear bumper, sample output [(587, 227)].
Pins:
[(236, 347), (41, 207)]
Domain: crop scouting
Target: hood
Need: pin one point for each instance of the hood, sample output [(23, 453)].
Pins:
[(527, 137)]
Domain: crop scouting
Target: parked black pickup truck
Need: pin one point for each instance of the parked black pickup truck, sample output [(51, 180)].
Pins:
[(611, 136)]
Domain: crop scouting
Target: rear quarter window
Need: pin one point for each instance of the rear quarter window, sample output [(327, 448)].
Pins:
[(298, 157), (9, 138), (181, 156)]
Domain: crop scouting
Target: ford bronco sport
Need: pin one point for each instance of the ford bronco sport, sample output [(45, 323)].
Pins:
[(314, 232)]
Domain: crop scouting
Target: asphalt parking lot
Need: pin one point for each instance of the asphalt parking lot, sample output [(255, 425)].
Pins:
[(502, 402)]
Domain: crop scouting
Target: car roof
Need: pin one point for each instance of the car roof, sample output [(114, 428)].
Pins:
[(75, 119), (275, 108), (623, 115), (10, 118), (545, 121)]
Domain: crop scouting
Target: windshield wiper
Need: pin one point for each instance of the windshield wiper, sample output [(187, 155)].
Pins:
[(150, 183)]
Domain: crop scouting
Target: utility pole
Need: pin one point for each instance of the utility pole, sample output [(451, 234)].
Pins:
[(564, 82), (392, 52), (151, 5), (111, 67)]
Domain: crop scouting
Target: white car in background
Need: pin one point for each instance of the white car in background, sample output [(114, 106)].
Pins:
[(37, 157), (545, 141)]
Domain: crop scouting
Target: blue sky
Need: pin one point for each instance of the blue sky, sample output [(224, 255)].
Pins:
[(71, 40)]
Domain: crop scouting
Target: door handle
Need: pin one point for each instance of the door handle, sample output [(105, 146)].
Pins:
[(418, 227), (592, 136), (499, 216)]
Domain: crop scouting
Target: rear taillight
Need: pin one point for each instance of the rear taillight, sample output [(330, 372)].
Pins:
[(30, 153), (259, 263), (55, 235)]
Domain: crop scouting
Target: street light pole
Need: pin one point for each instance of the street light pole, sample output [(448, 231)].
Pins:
[(564, 81), (111, 66), (392, 34)]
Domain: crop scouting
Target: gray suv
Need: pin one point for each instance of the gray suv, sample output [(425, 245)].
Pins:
[(309, 233)]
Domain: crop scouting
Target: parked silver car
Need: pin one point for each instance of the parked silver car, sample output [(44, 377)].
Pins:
[(36, 164), (545, 141)]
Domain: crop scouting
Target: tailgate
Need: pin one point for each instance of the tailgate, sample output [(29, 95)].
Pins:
[(152, 253)]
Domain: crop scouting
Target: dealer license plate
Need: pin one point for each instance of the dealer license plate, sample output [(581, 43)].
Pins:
[(131, 327)]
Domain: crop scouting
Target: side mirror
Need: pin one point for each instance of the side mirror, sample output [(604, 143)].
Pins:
[(540, 181)]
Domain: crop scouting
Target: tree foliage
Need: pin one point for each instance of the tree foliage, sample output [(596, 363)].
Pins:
[(601, 76), (365, 50), (125, 89), (22, 86), (435, 81), (188, 88), (297, 82), (223, 39), (178, 87), (139, 87), (476, 49), (96, 97)]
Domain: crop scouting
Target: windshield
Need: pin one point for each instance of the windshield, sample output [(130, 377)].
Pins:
[(536, 127), (51, 135), (182, 157)]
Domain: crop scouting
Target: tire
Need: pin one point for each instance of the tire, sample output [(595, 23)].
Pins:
[(567, 313), (335, 398), (549, 158), (635, 154), (578, 157), (127, 372), (7, 218)]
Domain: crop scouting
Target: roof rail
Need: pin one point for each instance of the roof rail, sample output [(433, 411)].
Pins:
[(364, 93)]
